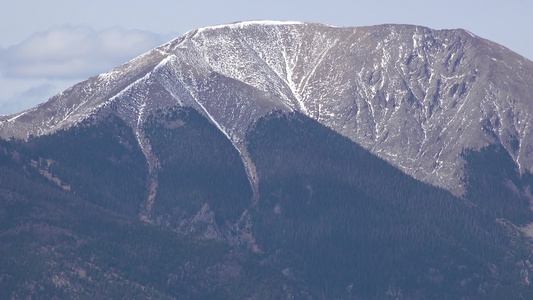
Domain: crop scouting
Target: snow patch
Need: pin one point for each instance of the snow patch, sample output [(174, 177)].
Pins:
[(17, 116)]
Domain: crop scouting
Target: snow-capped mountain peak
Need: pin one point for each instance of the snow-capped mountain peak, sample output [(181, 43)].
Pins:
[(414, 96)]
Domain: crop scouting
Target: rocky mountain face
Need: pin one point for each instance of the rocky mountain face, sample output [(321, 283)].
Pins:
[(414, 96), (273, 148)]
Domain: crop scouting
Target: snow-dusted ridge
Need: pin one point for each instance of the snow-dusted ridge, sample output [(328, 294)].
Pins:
[(414, 96), (240, 25)]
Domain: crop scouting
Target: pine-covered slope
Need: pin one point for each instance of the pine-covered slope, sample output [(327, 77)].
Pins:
[(329, 220), (69, 224), (352, 226)]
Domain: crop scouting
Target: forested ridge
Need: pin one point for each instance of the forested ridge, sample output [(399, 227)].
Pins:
[(199, 166), (331, 221), (57, 244)]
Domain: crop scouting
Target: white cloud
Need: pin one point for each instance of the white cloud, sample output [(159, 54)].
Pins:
[(20, 94), (49, 62), (25, 99), (74, 52)]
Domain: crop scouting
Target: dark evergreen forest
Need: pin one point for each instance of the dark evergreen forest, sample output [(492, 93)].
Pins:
[(344, 218), (331, 221)]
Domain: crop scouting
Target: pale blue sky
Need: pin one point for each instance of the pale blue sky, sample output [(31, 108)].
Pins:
[(46, 46)]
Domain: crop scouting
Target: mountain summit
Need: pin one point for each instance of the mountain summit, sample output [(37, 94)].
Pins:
[(414, 96), (278, 160)]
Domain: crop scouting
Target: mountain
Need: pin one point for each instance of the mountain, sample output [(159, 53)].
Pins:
[(278, 160), (413, 96)]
